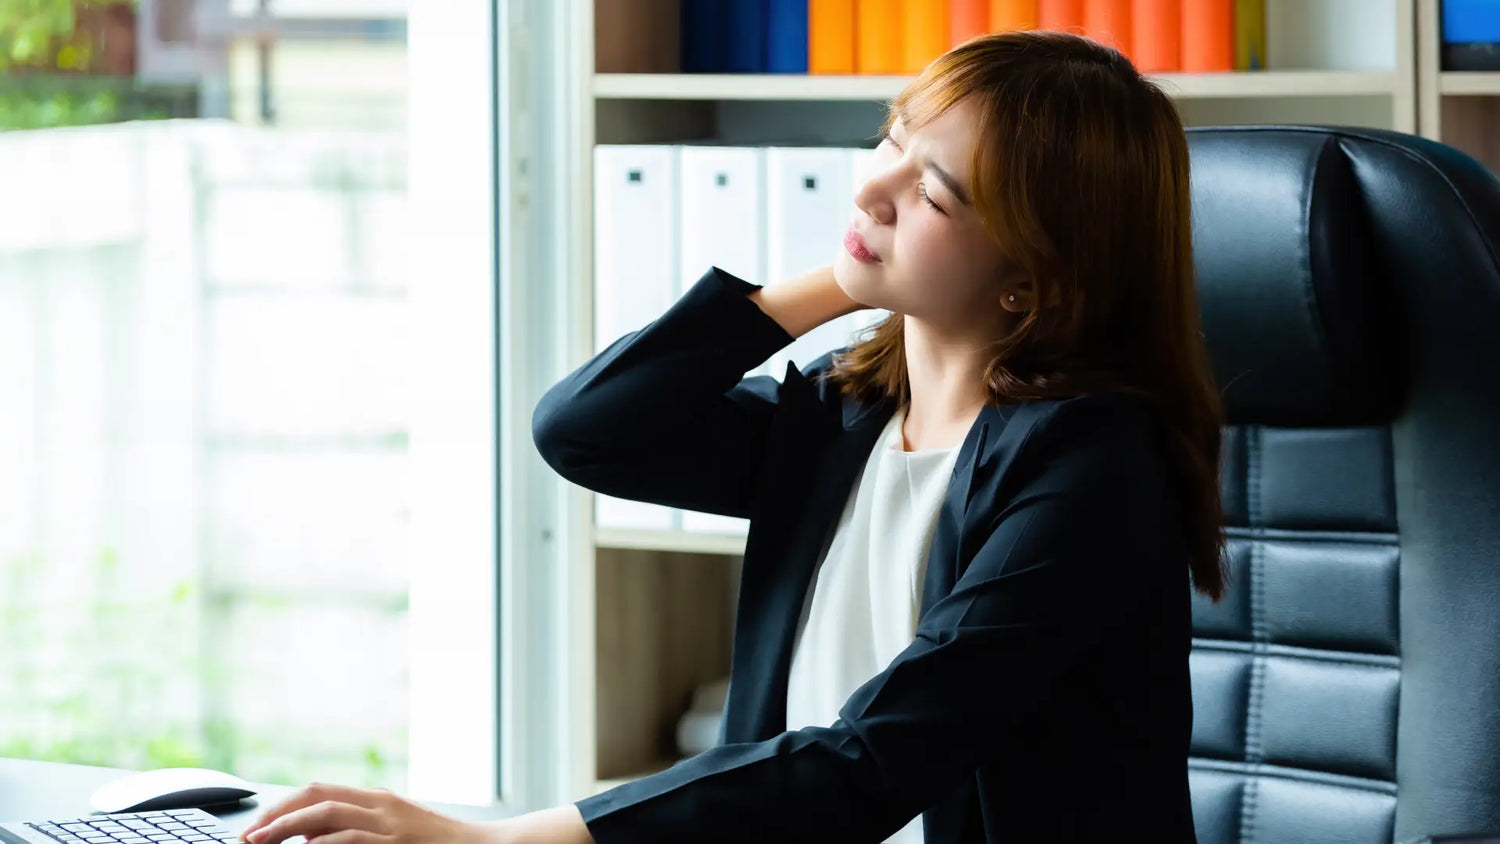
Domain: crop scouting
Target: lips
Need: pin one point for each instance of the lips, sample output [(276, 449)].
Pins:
[(858, 249)]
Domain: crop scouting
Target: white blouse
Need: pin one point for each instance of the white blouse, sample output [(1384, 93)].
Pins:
[(863, 604)]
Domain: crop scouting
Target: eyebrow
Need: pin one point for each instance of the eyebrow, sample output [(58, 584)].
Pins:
[(947, 179), (943, 175)]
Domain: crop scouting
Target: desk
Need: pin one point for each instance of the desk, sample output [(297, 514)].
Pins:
[(34, 791)]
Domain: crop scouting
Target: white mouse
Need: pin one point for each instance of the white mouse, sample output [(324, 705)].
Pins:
[(169, 788)]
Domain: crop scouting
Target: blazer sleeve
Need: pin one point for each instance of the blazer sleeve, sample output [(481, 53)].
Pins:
[(665, 414), (1069, 557)]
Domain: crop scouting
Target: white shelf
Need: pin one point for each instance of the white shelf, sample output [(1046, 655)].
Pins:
[(669, 540), (1469, 82), (656, 767), (681, 86)]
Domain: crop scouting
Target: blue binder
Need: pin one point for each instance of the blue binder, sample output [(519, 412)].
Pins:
[(745, 36), (786, 36), (1471, 35)]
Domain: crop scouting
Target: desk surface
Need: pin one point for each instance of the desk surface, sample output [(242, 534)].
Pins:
[(33, 791)]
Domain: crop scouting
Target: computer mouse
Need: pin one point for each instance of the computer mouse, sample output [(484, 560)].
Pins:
[(170, 788)]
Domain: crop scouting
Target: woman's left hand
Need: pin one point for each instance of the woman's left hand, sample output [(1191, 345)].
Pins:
[(336, 814)]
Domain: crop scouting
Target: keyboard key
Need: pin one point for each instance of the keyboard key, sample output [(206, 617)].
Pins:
[(196, 836), (76, 827), (132, 839)]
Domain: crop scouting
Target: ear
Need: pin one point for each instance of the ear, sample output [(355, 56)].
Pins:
[(1018, 297)]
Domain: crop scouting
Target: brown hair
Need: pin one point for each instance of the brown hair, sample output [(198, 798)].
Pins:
[(1081, 177)]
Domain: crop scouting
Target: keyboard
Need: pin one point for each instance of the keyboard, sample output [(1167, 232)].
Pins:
[(176, 826)]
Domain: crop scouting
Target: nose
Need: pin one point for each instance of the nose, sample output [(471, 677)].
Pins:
[(874, 197)]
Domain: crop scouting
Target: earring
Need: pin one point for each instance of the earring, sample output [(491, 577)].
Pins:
[(1012, 297)]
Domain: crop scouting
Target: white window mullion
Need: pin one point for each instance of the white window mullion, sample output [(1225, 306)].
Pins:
[(454, 607)]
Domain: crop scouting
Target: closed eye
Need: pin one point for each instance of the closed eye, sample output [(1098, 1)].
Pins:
[(922, 192)]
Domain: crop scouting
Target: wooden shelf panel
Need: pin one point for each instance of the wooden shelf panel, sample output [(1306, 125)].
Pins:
[(1469, 82), (677, 86), (669, 540)]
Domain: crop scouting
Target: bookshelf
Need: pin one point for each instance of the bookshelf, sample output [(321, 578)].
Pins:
[(654, 609), (677, 86), (1459, 108)]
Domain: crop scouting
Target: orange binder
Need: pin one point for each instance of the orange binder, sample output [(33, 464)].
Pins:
[(879, 47), (830, 36), (1010, 15), (1108, 22), (1060, 15), (924, 34), (1156, 36), (1207, 35), (967, 19)]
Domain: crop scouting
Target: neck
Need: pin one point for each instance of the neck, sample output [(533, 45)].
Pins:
[(947, 386)]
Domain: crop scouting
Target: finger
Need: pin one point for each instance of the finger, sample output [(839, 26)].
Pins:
[(319, 819), (312, 795)]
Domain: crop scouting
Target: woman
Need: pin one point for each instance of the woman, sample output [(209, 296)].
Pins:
[(964, 614)]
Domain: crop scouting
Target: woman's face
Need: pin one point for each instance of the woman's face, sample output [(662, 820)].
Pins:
[(916, 245)]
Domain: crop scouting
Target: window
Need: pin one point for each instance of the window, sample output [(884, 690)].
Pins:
[(205, 497)]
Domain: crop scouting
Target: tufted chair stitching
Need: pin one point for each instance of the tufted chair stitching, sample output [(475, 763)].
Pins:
[(1258, 632)]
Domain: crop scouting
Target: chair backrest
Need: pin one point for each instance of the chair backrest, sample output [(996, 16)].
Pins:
[(1347, 688)]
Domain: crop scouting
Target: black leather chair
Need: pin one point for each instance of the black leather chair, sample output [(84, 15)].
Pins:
[(1347, 689)]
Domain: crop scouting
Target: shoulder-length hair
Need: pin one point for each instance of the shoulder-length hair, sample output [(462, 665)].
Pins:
[(1081, 178)]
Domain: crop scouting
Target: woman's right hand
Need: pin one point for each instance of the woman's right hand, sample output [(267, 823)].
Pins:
[(803, 303)]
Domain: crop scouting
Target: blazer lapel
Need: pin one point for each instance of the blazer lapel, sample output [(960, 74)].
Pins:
[(816, 451), (960, 526)]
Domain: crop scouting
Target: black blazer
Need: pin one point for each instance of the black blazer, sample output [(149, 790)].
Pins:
[(1045, 696)]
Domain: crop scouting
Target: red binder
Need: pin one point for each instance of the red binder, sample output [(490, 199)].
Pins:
[(967, 19), (1207, 35), (1156, 36), (1108, 22), (1060, 15)]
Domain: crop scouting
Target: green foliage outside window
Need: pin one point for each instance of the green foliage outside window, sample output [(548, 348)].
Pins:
[(57, 70)]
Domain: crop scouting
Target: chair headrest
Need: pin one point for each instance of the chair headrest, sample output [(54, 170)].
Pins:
[(1294, 306)]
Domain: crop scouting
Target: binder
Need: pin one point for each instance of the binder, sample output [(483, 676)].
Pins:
[(1156, 36), (1249, 34), (635, 272), (830, 36), (1060, 15), (878, 46), (1011, 15), (809, 203), (744, 36), (967, 19), (701, 34), (786, 36), (1207, 35), (924, 33), (722, 205), (1108, 22)]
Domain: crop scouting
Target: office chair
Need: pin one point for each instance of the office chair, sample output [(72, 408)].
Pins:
[(1347, 688)]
